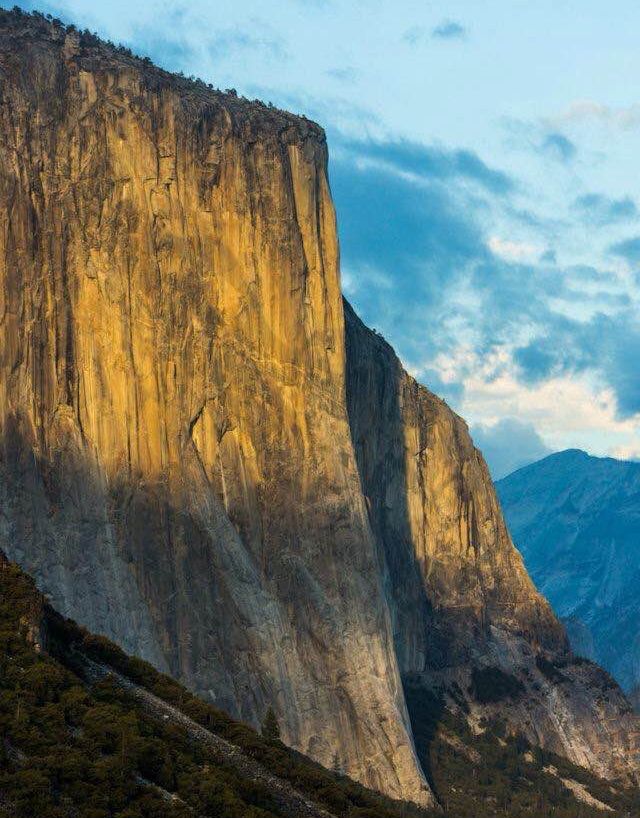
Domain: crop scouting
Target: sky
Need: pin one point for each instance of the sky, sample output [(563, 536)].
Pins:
[(483, 162)]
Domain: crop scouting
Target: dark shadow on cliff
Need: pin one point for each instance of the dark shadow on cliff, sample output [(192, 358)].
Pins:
[(426, 710), (125, 558), (374, 383)]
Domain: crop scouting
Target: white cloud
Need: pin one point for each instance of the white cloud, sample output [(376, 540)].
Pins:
[(587, 110), (513, 250), (626, 452), (565, 411)]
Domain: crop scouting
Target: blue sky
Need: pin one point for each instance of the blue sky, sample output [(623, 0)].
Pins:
[(483, 162)]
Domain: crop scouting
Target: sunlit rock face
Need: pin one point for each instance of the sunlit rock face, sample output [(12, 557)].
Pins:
[(177, 467), (180, 466), (576, 520)]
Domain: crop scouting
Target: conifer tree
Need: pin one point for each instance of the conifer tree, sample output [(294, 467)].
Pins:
[(270, 727)]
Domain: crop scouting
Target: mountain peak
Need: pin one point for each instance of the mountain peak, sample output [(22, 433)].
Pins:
[(576, 520), (562, 460)]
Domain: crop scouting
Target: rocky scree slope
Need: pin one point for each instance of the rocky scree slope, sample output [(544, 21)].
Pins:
[(576, 519), (190, 457)]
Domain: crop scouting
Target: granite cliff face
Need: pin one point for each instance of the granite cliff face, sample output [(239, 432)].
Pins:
[(177, 468), (576, 519), (192, 463)]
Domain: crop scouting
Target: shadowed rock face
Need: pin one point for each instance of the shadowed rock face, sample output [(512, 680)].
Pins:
[(177, 467)]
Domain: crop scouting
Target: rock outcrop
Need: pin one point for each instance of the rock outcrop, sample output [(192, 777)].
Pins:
[(450, 560), (177, 459), (460, 597)]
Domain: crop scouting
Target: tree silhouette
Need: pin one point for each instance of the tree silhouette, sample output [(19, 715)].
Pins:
[(270, 727)]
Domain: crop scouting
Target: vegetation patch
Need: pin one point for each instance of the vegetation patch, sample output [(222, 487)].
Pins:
[(550, 670), (500, 774), (74, 749), (70, 749), (490, 685)]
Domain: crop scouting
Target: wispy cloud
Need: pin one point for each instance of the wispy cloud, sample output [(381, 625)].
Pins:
[(540, 138), (629, 249), (590, 111), (559, 147), (513, 250), (413, 35), (344, 74), (449, 30), (225, 41), (606, 344), (446, 30), (429, 162), (598, 209)]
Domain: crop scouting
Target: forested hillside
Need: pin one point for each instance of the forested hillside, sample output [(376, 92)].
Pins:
[(88, 732)]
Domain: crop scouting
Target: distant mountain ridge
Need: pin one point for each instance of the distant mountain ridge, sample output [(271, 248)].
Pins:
[(576, 520)]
